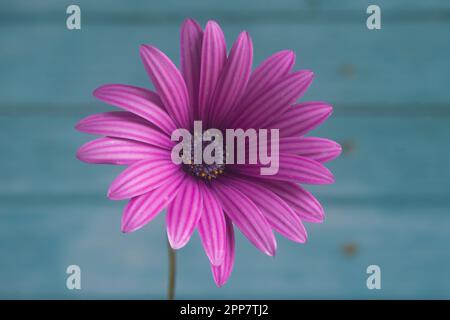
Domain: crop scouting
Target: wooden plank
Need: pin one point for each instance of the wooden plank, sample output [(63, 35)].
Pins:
[(51, 67), (165, 9), (38, 242), (384, 157), (389, 205)]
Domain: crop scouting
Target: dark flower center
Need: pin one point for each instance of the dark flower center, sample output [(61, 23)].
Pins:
[(203, 170)]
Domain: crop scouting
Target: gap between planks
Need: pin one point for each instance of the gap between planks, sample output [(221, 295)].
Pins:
[(97, 18), (390, 200), (433, 110)]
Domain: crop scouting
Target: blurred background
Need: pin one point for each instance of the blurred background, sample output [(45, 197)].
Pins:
[(390, 205)]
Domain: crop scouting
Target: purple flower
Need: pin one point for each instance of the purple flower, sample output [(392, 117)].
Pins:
[(222, 92)]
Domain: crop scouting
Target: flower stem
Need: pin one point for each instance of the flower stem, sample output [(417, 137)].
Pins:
[(172, 273)]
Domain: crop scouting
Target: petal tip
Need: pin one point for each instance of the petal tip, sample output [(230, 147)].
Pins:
[(80, 154), (325, 108), (146, 49), (176, 244), (331, 178), (190, 22), (125, 223), (219, 283), (272, 250), (129, 227), (112, 194), (79, 126), (289, 55), (299, 236), (338, 150), (327, 176), (212, 23), (245, 34), (100, 90), (216, 261), (220, 280), (96, 91), (308, 74)]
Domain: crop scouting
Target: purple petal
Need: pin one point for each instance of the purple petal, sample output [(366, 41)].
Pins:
[(274, 101), (183, 213), (142, 177), (279, 215), (300, 200), (139, 101), (222, 273), (124, 125), (115, 151), (212, 227), (142, 209), (246, 216), (190, 53), (292, 168), (266, 75), (169, 84), (318, 149), (302, 118), (233, 79), (137, 91), (214, 54)]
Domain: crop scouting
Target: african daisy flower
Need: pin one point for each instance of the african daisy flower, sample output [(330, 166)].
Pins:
[(222, 92)]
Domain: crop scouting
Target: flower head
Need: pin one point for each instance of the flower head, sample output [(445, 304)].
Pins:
[(222, 92)]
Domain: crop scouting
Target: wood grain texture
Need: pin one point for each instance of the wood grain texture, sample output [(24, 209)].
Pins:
[(379, 158), (57, 68), (232, 10), (39, 241), (390, 205)]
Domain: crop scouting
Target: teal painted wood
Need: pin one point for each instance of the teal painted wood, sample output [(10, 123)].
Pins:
[(60, 68), (233, 7), (38, 242), (385, 157), (390, 202)]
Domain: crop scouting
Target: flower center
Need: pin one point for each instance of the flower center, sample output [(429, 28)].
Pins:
[(204, 170)]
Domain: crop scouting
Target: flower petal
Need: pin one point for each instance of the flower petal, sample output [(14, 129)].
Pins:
[(274, 101), (142, 209), (222, 273), (233, 80), (183, 213), (246, 216), (150, 95), (190, 53), (214, 54), (279, 215), (139, 101), (212, 227), (291, 168), (318, 149), (124, 125), (302, 118), (266, 75), (115, 151), (142, 177), (169, 84), (300, 200), (269, 72)]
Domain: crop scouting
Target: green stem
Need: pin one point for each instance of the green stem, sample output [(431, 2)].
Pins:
[(172, 273)]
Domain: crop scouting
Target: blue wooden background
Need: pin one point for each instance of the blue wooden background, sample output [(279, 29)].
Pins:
[(389, 206)]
